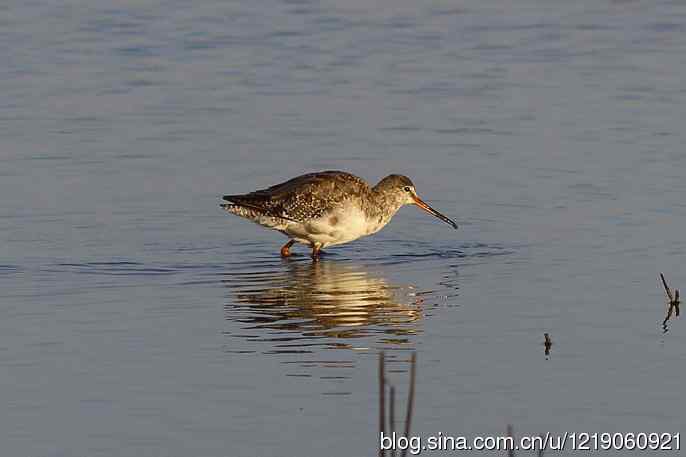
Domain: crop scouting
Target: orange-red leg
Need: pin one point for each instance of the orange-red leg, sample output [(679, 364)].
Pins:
[(316, 249), (286, 249)]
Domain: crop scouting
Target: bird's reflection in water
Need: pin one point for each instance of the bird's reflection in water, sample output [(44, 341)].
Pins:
[(303, 304)]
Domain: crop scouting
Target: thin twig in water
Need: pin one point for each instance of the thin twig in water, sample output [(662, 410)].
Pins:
[(667, 290), (391, 419), (676, 302), (540, 450), (410, 399), (382, 403), (673, 302), (510, 449)]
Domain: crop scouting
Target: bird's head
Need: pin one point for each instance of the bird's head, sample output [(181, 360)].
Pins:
[(401, 190)]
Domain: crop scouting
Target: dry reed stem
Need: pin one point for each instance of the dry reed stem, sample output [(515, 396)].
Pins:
[(410, 399), (510, 433), (392, 417), (673, 302), (382, 401)]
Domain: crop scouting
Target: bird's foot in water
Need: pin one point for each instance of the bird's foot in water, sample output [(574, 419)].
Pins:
[(286, 249)]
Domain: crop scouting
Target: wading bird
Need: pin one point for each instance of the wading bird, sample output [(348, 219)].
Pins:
[(327, 208)]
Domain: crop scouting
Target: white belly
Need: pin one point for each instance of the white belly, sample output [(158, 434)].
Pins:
[(340, 226)]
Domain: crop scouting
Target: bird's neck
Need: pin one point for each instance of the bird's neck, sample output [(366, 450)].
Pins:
[(383, 204)]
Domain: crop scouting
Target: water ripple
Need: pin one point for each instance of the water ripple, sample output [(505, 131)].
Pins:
[(8, 269), (115, 268)]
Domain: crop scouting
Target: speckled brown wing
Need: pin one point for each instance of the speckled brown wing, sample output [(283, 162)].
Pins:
[(304, 197)]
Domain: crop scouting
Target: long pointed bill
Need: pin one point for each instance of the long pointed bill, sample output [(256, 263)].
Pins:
[(419, 202)]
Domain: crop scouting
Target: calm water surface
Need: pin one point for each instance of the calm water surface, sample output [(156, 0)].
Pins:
[(138, 319)]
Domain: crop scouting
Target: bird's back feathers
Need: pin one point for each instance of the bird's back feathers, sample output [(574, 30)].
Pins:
[(304, 197)]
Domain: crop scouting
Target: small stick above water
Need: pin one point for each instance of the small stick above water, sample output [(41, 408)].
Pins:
[(548, 343), (540, 450), (391, 419), (410, 399), (510, 434), (382, 402), (673, 302), (676, 301), (667, 289)]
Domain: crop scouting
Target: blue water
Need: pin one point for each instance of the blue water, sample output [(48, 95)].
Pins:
[(138, 319)]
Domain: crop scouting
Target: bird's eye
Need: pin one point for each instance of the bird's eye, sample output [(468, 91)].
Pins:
[(407, 188)]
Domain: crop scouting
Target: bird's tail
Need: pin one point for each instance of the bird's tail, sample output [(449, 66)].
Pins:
[(245, 201), (248, 206)]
